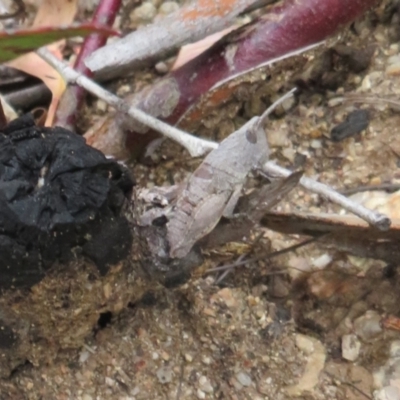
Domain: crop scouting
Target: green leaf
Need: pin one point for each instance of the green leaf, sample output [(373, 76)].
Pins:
[(16, 43)]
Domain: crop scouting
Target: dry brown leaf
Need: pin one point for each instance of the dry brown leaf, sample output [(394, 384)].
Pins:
[(50, 13), (192, 50)]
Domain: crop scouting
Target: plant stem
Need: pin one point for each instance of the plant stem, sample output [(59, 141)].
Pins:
[(195, 146), (73, 98)]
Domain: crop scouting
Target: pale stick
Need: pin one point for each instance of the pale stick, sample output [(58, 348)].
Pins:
[(373, 218), (195, 146)]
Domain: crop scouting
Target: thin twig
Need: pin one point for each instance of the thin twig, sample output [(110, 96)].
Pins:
[(195, 146), (351, 385), (227, 271), (383, 186), (376, 219), (265, 256), (374, 100), (240, 259), (263, 118)]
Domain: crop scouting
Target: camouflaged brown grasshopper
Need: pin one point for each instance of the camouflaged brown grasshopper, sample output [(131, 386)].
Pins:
[(215, 187)]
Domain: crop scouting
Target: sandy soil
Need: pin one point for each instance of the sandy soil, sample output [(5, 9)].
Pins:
[(311, 324)]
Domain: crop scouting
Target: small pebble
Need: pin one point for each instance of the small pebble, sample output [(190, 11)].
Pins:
[(387, 393), (336, 101), (304, 343), (145, 13), (206, 360), (316, 144), (164, 375), (366, 83), (168, 7), (200, 394), (243, 378), (205, 384), (394, 59), (368, 326), (101, 105), (393, 70), (278, 138), (387, 377), (278, 287), (322, 261), (350, 347), (123, 90), (227, 296), (395, 349), (188, 358), (135, 391), (83, 356), (162, 68), (109, 381), (289, 154)]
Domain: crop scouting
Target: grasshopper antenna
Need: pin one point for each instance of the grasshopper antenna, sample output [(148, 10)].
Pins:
[(272, 107)]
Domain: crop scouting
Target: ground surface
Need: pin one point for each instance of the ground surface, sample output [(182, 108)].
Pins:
[(268, 330)]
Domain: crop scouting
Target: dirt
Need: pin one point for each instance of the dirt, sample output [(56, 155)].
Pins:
[(311, 324)]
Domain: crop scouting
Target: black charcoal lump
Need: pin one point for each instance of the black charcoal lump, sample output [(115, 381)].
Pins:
[(355, 123), (59, 197)]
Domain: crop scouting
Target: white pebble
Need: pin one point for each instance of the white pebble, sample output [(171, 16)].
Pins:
[(393, 70), (316, 144), (205, 384), (200, 394), (350, 347), (279, 138), (101, 105), (387, 393), (395, 349), (322, 261), (243, 378), (168, 7), (161, 67), (164, 375), (206, 360), (83, 356), (304, 343), (109, 381), (394, 59), (145, 13), (368, 326)]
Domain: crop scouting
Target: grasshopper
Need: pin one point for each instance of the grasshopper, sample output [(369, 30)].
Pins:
[(215, 187)]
